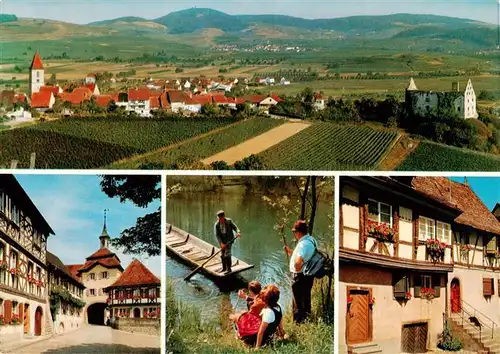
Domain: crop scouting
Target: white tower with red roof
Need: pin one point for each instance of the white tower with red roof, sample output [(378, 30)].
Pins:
[(37, 74)]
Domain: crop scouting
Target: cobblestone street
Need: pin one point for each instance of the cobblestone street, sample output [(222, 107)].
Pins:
[(95, 339)]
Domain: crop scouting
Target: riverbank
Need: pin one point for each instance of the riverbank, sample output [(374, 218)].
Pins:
[(187, 333)]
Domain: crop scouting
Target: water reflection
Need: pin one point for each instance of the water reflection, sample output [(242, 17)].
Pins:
[(259, 245)]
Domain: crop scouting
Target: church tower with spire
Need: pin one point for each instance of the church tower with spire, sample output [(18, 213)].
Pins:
[(37, 74), (104, 238)]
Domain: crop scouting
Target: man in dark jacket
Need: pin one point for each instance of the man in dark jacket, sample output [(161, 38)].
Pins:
[(224, 230)]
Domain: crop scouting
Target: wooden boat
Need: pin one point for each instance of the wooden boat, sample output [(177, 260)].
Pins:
[(194, 252)]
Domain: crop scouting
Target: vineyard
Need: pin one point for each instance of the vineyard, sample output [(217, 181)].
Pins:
[(328, 146), (431, 156), (57, 151), (140, 134), (93, 143), (190, 153)]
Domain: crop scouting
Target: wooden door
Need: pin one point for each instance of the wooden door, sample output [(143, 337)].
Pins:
[(455, 299), (26, 318), (137, 313), (414, 338), (358, 317), (38, 322)]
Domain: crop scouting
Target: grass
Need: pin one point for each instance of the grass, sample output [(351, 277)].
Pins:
[(187, 333), (430, 156), (188, 154), (330, 146)]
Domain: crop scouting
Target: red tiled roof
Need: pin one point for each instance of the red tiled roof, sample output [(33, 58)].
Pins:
[(155, 93), (164, 100), (136, 274), (154, 102), (239, 100), (53, 89), (474, 213), (256, 99), (91, 87), (105, 262), (73, 269), (91, 75), (318, 96), (37, 63), (221, 99), (202, 99), (177, 96), (76, 97), (103, 100), (20, 98), (276, 98), (41, 99), (101, 253), (140, 94), (83, 91)]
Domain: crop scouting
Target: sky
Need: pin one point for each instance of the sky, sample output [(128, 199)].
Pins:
[(487, 188), (74, 208), (85, 11)]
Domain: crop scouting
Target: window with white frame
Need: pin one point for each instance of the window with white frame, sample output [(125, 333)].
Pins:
[(104, 275), (379, 212), (443, 232), (427, 228), (92, 292), (92, 276)]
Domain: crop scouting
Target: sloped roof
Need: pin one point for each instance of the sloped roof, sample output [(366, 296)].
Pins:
[(103, 100), (41, 99), (256, 99), (112, 262), (53, 89), (91, 87), (164, 100), (57, 263), (140, 94), (37, 63), (154, 102), (276, 97), (474, 213), (73, 269), (177, 96), (134, 275), (83, 91)]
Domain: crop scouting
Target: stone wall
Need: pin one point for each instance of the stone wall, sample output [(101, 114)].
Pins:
[(139, 325)]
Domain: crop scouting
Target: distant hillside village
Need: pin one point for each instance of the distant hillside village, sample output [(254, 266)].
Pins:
[(188, 96)]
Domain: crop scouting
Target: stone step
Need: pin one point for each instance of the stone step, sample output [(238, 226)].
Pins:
[(365, 348)]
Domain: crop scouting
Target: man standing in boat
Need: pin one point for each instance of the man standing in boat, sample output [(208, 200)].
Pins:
[(224, 230), (302, 284)]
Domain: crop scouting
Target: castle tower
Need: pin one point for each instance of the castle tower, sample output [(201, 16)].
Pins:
[(37, 74), (104, 238)]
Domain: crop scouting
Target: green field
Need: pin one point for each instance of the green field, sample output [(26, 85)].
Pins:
[(140, 134), (431, 156), (328, 146), (96, 142), (184, 155)]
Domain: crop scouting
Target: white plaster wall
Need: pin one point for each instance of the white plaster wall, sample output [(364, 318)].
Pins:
[(351, 239)]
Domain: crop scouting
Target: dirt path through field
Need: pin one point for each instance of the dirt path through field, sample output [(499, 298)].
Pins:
[(398, 153), (257, 144)]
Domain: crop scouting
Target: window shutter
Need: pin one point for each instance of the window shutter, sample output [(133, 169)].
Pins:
[(492, 281), (487, 286), (436, 283), (498, 287), (417, 285), (157, 292), (21, 312), (399, 289), (7, 310)]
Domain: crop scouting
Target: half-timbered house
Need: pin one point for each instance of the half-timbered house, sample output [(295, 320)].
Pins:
[(135, 294), (409, 246), (65, 296), (24, 310)]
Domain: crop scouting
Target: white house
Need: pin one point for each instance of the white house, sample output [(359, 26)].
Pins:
[(90, 79), (284, 81), (464, 102), (139, 101), (319, 102)]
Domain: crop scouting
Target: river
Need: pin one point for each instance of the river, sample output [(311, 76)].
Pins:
[(259, 245)]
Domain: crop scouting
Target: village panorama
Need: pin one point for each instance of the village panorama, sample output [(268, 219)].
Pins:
[(202, 89)]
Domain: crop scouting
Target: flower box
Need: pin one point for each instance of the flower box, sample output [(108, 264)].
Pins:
[(464, 250), (427, 293), (408, 296), (13, 271), (349, 302), (381, 232), (371, 301), (436, 249)]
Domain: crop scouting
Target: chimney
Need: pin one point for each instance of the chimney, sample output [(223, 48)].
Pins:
[(455, 86)]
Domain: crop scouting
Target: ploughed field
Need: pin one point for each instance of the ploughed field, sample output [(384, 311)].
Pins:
[(330, 146), (85, 143), (430, 156)]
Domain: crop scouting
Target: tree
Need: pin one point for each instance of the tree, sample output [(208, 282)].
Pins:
[(145, 236), (220, 165), (252, 162)]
